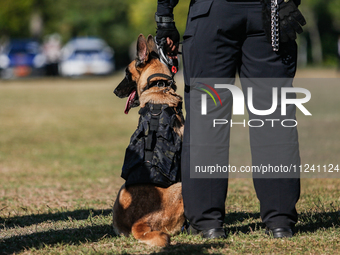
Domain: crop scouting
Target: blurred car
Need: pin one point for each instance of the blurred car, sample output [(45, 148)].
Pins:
[(20, 58), (86, 55)]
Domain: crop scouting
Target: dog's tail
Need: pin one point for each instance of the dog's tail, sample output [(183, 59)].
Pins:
[(143, 232)]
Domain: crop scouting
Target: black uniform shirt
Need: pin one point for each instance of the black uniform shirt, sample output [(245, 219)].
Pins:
[(165, 7)]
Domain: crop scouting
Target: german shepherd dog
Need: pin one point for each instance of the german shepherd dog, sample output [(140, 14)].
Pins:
[(151, 213)]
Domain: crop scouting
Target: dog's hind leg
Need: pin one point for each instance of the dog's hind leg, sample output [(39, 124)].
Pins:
[(143, 232)]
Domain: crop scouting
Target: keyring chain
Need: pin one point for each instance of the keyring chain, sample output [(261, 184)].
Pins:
[(275, 25)]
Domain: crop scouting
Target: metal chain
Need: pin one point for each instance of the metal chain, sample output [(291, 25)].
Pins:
[(275, 25)]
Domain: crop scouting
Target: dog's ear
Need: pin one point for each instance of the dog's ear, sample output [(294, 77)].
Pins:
[(151, 44), (142, 50)]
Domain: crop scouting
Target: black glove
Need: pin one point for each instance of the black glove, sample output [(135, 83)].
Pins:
[(291, 21), (167, 29)]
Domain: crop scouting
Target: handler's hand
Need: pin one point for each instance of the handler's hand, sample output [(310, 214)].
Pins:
[(168, 31), (171, 49)]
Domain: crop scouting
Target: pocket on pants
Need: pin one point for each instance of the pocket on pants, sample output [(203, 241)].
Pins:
[(198, 10)]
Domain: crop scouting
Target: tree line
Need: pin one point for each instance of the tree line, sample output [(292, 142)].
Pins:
[(120, 21)]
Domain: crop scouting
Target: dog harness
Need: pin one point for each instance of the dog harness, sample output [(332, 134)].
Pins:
[(153, 155)]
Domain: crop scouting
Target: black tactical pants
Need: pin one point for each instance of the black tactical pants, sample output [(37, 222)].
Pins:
[(224, 37)]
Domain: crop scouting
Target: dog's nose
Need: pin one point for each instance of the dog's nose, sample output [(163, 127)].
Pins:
[(116, 92)]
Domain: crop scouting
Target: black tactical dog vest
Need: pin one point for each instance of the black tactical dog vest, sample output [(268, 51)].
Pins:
[(153, 155)]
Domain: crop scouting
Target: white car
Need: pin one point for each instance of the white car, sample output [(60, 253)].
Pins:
[(86, 55)]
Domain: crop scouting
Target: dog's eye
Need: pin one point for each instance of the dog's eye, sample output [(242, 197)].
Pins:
[(162, 83), (128, 75)]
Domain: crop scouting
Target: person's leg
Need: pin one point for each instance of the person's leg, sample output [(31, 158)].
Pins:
[(278, 145), (210, 50)]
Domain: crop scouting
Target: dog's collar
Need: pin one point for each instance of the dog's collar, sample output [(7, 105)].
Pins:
[(169, 82), (159, 75)]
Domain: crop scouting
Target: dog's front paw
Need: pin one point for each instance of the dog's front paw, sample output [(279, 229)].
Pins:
[(159, 239), (154, 238)]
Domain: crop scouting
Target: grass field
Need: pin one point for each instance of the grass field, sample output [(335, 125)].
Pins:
[(62, 144)]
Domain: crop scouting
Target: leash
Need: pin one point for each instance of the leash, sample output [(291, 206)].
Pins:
[(274, 20), (172, 64)]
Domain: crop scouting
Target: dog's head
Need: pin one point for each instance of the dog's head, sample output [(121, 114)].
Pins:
[(139, 71)]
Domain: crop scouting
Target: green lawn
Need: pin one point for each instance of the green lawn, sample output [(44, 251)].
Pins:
[(62, 144)]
